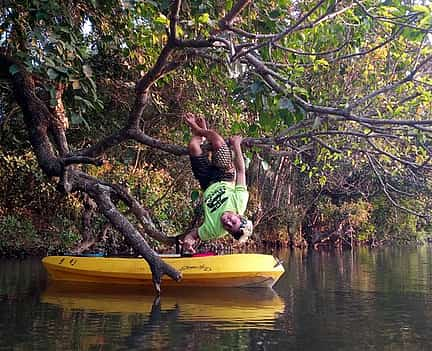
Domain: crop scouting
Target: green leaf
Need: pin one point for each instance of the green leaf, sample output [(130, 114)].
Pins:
[(301, 91), (253, 130), (412, 34), (228, 5), (61, 69), (161, 19), (195, 195), (14, 69), (238, 127), (275, 14), (286, 104), (52, 92), (322, 180), (52, 74), (75, 118), (87, 71), (204, 18), (287, 117), (421, 8), (85, 101), (321, 62)]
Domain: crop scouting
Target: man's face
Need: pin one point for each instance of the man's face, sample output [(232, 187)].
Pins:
[(231, 221)]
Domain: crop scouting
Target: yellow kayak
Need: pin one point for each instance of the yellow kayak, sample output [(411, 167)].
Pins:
[(237, 270)]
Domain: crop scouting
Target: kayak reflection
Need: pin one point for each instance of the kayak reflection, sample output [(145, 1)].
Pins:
[(231, 308)]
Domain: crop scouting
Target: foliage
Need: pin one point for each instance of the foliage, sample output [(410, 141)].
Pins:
[(20, 171), (39, 219), (21, 237), (397, 226), (17, 232), (155, 185), (355, 214), (344, 61)]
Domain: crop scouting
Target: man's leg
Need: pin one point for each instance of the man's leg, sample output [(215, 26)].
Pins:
[(200, 162), (221, 167), (194, 146)]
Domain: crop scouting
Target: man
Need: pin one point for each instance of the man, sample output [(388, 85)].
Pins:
[(223, 182)]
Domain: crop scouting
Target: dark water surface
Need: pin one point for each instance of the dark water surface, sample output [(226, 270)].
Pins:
[(365, 300)]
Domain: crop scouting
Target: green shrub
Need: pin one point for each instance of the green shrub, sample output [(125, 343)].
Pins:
[(17, 232)]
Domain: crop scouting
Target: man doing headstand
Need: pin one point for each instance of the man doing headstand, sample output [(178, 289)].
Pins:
[(223, 182)]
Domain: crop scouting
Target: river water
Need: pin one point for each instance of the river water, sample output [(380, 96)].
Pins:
[(376, 299)]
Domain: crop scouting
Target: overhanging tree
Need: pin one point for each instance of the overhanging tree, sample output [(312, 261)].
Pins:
[(329, 80)]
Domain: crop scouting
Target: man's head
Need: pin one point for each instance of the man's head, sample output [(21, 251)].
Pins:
[(239, 227)]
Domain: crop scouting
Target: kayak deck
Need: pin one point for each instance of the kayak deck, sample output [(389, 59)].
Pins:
[(237, 270)]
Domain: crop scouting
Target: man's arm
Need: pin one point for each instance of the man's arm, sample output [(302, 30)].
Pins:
[(238, 160)]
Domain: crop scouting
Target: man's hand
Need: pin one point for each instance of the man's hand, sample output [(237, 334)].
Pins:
[(236, 140), (189, 241)]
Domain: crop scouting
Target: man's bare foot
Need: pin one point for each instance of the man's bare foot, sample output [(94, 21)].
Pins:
[(201, 123), (189, 118)]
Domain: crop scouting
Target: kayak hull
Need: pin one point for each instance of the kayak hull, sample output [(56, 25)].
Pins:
[(237, 270)]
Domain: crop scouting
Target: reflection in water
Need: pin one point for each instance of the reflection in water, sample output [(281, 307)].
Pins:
[(146, 320), (225, 308), (362, 300)]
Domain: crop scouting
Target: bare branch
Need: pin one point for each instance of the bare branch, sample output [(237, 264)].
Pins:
[(326, 17), (155, 143), (327, 146), (378, 92), (141, 214), (82, 160), (303, 53), (393, 157), (229, 18), (392, 20), (102, 146), (386, 192), (372, 49)]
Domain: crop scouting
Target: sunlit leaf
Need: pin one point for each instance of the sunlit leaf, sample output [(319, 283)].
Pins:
[(265, 165), (76, 84), (162, 19), (88, 72), (204, 18)]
